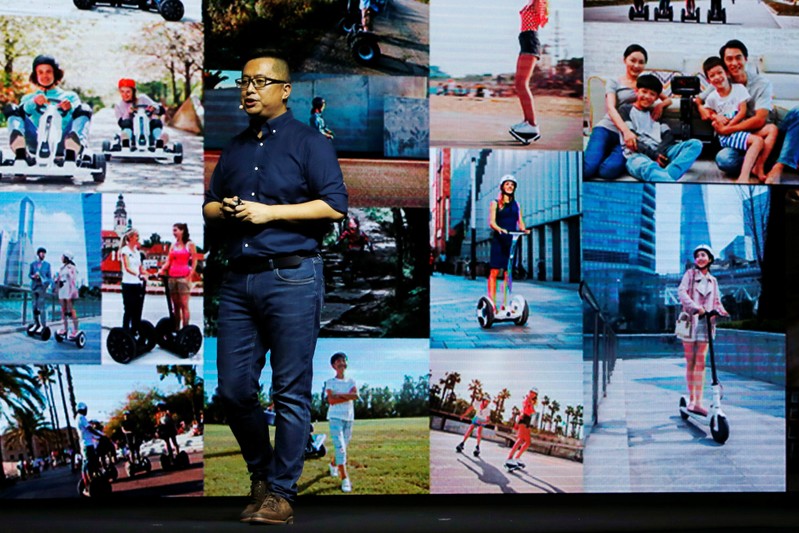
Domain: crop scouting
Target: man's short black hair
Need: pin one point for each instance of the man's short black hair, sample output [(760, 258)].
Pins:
[(712, 62), (649, 81), (734, 43), (282, 70)]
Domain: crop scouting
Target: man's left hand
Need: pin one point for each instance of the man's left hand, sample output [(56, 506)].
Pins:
[(255, 213), (65, 105)]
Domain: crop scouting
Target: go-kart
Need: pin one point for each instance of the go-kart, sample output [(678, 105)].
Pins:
[(48, 158), (171, 10), (142, 145)]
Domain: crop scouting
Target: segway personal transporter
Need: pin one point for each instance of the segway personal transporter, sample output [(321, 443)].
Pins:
[(171, 461), (99, 482), (692, 13), (141, 465), (639, 10), (715, 417), (716, 13), (664, 11), (184, 342), (79, 338), (39, 328), (514, 308), (124, 345)]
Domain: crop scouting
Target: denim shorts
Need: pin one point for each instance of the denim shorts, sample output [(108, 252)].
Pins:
[(529, 43)]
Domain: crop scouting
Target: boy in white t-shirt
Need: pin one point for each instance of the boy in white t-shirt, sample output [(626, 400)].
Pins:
[(726, 105), (482, 416), (341, 394)]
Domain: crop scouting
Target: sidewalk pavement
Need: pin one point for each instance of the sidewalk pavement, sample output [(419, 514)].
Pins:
[(463, 473), (667, 454), (555, 321)]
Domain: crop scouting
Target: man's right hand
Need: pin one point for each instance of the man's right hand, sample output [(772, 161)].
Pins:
[(40, 99), (228, 208)]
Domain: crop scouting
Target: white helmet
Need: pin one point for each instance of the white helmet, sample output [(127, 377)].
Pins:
[(82, 407), (508, 177), (708, 250)]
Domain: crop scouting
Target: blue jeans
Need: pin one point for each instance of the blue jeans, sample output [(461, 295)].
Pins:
[(276, 311), (603, 156), (341, 433), (681, 156), (730, 160)]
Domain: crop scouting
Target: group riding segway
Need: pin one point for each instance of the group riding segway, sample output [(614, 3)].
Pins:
[(48, 159), (716, 13), (124, 345), (639, 10), (171, 10), (514, 307), (691, 13), (39, 328), (186, 341), (715, 417), (142, 145), (665, 11)]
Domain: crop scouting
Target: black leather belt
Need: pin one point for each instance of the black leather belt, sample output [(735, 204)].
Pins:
[(264, 264)]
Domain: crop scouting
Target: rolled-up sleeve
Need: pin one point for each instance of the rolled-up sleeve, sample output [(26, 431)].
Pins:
[(325, 180)]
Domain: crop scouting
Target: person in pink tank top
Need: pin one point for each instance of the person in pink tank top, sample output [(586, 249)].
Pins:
[(180, 267)]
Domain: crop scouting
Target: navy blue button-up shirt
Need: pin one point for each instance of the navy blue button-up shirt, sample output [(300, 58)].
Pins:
[(290, 164)]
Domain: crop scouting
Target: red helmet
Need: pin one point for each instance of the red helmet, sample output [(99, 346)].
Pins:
[(127, 82)]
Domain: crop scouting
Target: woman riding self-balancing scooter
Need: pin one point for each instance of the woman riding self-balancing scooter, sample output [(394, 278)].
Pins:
[(65, 285), (701, 302), (506, 221), (136, 336), (690, 11)]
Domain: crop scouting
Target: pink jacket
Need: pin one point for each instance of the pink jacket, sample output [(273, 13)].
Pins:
[(693, 298)]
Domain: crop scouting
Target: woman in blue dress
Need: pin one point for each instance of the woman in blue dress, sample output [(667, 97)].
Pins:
[(505, 215)]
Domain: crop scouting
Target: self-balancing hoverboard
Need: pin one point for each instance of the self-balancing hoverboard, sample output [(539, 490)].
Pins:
[(124, 345), (39, 328), (639, 10), (715, 417), (184, 342), (514, 307), (664, 11), (79, 338), (691, 13), (716, 13)]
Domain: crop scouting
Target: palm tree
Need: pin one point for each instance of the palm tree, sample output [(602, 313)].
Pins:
[(577, 420), (25, 425), (554, 407), (569, 413), (18, 390), (558, 427), (67, 413), (435, 399), (449, 381), (476, 388), (544, 404), (45, 375), (503, 395)]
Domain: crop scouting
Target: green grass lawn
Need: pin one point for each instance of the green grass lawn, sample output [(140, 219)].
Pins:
[(390, 456)]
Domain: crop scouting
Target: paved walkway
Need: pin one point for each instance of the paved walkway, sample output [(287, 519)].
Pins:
[(463, 473), (641, 444), (555, 316)]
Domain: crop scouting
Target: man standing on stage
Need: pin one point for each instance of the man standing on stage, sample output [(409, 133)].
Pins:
[(276, 188)]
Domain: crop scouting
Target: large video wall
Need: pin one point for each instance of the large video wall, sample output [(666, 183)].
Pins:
[(532, 187)]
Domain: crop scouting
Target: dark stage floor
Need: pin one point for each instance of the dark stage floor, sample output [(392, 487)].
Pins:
[(692, 512)]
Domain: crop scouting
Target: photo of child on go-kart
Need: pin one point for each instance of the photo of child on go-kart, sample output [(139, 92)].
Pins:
[(136, 432), (149, 10), (152, 271), (691, 105), (685, 336), (748, 13), (49, 282), (117, 122), (330, 36), (369, 420)]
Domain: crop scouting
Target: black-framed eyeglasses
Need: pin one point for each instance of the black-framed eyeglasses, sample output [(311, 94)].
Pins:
[(259, 82)]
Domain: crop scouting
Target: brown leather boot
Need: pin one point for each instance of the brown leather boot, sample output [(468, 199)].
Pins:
[(275, 510), (258, 493)]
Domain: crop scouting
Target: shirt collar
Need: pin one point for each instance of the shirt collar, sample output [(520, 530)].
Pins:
[(275, 124)]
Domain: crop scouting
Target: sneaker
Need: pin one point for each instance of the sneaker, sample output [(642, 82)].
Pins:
[(346, 485), (274, 510), (525, 132), (257, 496), (86, 492), (333, 470), (459, 448), (520, 464), (511, 463)]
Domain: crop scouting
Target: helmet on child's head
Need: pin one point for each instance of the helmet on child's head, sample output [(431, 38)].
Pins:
[(508, 177), (82, 407), (126, 82), (58, 74), (707, 249)]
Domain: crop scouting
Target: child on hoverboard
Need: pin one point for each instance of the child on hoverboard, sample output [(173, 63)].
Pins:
[(482, 416), (341, 394)]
